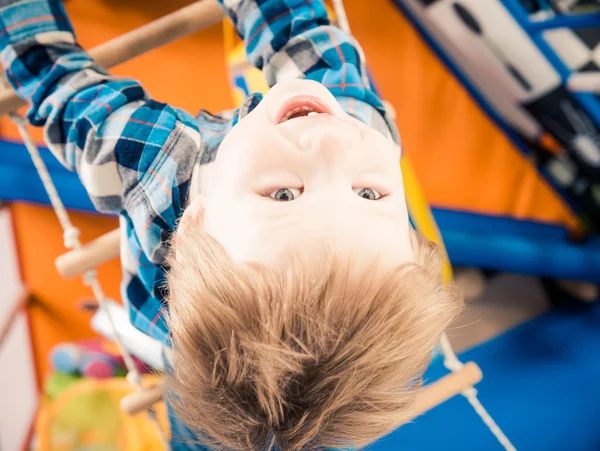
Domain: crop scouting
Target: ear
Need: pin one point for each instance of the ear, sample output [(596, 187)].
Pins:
[(193, 216)]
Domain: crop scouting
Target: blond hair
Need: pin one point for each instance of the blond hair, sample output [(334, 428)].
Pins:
[(298, 360)]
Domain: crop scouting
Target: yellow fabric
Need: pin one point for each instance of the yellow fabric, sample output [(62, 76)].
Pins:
[(420, 213)]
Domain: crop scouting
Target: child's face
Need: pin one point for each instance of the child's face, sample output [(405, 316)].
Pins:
[(282, 185)]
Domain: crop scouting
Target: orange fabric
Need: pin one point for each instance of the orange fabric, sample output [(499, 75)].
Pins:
[(53, 314), (461, 158)]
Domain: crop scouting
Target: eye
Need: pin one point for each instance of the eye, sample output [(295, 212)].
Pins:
[(285, 194), (368, 193)]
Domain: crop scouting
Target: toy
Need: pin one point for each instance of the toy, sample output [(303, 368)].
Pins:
[(91, 358)]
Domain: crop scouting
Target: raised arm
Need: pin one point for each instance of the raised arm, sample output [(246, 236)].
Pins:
[(106, 128)]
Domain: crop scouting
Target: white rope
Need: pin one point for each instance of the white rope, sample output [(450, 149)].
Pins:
[(451, 361), (71, 240), (340, 16)]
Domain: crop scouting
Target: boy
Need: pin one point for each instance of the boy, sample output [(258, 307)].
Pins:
[(301, 307)]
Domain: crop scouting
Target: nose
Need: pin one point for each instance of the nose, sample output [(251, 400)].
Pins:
[(331, 140)]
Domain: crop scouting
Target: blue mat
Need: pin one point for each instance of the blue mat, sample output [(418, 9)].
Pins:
[(541, 384)]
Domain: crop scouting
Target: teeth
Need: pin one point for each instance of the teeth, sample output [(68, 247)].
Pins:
[(308, 111)]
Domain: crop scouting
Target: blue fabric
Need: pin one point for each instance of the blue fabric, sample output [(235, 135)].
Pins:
[(182, 439)]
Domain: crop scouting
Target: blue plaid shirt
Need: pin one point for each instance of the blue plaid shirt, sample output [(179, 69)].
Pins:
[(135, 155)]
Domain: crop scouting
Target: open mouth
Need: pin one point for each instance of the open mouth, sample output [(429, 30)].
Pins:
[(301, 106)]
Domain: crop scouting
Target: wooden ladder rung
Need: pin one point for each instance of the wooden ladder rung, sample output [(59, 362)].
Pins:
[(92, 254)]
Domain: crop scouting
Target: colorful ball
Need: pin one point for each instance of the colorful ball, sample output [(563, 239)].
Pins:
[(66, 358), (98, 368)]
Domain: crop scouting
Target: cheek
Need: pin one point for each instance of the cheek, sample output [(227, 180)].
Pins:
[(233, 230), (228, 177), (236, 165), (229, 213)]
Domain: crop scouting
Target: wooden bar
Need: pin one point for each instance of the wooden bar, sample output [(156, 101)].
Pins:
[(185, 21), (92, 254), (471, 282), (141, 400), (445, 388)]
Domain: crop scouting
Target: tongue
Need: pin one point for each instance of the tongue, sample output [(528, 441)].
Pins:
[(299, 114), (302, 114)]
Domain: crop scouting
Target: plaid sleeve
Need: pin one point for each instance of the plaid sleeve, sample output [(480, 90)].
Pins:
[(135, 156), (295, 39)]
